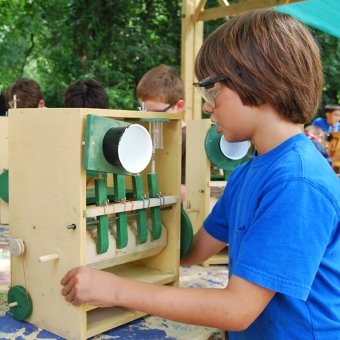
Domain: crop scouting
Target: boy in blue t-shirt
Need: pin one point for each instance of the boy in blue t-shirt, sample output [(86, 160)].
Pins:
[(331, 121), (261, 77)]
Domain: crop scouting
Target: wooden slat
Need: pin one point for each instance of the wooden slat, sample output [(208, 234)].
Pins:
[(199, 9), (239, 8)]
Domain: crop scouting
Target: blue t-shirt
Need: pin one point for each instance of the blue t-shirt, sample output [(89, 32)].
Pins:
[(322, 122), (280, 215)]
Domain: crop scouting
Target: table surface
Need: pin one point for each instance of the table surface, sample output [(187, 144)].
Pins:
[(148, 328)]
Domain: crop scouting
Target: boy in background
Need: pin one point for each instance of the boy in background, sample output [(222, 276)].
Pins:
[(28, 94), (315, 134), (87, 94), (162, 90), (331, 121)]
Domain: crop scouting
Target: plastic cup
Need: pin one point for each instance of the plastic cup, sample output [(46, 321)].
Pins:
[(236, 150)]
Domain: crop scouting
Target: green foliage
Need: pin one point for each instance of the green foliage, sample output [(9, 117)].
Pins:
[(116, 42), (57, 42), (330, 52)]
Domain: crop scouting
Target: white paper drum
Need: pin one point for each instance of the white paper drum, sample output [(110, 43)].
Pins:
[(129, 147)]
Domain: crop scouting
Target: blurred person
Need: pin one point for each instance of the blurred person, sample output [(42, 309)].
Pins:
[(87, 94), (315, 134), (331, 121), (28, 94)]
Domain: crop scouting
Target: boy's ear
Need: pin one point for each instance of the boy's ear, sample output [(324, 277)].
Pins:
[(179, 106), (41, 103)]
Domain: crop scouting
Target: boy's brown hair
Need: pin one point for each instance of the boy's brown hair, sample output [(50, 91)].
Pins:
[(161, 83), (86, 93), (330, 108), (268, 57), (28, 94)]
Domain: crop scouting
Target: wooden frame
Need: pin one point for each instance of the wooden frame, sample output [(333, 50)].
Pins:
[(48, 198), (199, 200)]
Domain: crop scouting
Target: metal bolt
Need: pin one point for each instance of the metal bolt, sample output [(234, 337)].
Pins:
[(71, 226)]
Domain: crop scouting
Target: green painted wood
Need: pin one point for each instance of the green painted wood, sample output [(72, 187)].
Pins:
[(142, 227), (103, 226), (24, 306), (122, 226), (216, 157), (4, 186), (148, 120), (91, 197), (156, 215), (187, 234), (96, 128)]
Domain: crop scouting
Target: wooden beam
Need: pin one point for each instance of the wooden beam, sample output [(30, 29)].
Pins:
[(199, 9), (192, 39), (239, 8), (223, 3)]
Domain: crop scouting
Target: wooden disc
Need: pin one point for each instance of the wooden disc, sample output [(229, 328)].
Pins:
[(187, 234), (24, 306)]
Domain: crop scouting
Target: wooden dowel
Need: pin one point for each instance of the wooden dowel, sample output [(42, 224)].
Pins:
[(50, 257)]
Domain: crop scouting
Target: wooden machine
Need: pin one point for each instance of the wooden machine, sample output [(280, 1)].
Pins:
[(128, 224)]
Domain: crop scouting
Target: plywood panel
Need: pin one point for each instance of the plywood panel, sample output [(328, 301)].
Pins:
[(48, 194)]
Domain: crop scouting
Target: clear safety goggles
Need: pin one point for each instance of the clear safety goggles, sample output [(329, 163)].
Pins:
[(209, 88)]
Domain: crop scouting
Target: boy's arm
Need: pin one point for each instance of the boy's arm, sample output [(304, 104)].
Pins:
[(233, 308), (203, 247)]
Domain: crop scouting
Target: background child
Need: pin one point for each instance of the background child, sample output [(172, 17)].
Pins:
[(86, 93), (28, 94), (162, 90), (331, 120), (315, 134)]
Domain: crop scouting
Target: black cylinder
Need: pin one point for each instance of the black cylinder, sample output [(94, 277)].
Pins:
[(110, 145)]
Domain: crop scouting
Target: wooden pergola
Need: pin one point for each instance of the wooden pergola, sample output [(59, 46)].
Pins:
[(193, 17)]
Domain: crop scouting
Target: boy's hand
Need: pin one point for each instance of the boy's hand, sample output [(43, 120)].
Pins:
[(88, 285)]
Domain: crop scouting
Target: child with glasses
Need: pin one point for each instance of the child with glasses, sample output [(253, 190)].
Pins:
[(162, 90), (261, 77), (331, 121)]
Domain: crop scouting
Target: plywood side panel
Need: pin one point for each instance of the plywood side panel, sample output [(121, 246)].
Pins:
[(198, 173), (47, 190)]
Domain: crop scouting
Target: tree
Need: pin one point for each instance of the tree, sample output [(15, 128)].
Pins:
[(57, 42), (114, 42)]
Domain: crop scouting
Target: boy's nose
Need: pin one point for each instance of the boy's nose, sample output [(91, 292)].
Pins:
[(207, 108)]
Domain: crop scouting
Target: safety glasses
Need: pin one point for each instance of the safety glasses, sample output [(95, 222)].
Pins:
[(167, 108), (209, 88)]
